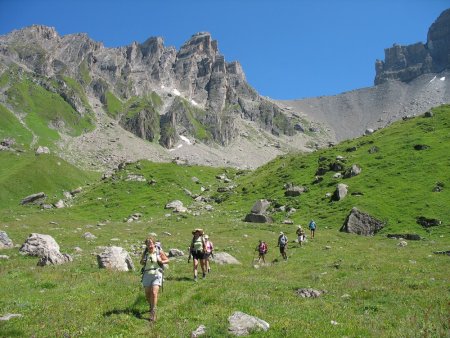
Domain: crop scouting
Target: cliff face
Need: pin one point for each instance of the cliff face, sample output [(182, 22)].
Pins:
[(405, 63), (197, 73)]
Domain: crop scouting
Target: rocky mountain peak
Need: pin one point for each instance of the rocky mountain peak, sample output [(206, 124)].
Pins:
[(405, 63)]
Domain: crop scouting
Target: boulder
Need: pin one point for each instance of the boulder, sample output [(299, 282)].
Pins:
[(428, 222), (340, 192), (258, 218), (224, 258), (175, 253), (39, 245), (353, 171), (115, 258), (33, 198), (309, 293), (42, 150), (242, 324), (54, 258), (200, 331), (260, 207), (360, 223), (174, 205), (294, 191), (5, 241)]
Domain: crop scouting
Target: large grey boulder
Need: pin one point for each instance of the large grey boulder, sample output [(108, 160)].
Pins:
[(258, 213), (54, 258), (115, 258), (224, 258), (39, 245), (360, 223), (46, 248), (242, 324), (260, 207), (5, 241), (340, 192), (33, 198)]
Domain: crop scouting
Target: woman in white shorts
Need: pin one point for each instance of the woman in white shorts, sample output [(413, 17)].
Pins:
[(152, 278)]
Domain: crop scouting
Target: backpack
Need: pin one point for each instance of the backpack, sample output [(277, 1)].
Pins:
[(263, 248), (283, 240)]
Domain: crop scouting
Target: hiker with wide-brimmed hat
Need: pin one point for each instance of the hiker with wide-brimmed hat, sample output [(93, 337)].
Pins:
[(197, 251), (153, 260)]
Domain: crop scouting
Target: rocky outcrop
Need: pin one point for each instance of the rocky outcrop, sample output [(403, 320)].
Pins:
[(361, 223), (406, 63), (197, 73)]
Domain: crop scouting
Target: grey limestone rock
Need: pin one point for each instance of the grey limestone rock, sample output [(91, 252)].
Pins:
[(242, 324), (115, 258), (361, 223), (5, 241)]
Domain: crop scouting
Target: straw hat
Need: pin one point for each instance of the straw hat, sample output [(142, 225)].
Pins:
[(198, 230)]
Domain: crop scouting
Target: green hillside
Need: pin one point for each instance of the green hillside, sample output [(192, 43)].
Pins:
[(374, 287), (23, 174)]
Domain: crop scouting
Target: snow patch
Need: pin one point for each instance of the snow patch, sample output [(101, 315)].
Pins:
[(434, 78), (176, 92), (185, 139), (194, 103), (442, 78)]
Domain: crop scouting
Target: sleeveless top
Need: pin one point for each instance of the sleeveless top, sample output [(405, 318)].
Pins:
[(151, 266), (197, 244)]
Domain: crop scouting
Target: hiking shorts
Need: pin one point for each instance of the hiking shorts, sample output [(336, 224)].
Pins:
[(198, 255), (207, 255), (301, 238), (150, 279)]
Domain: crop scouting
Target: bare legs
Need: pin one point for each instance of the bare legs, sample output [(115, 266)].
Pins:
[(202, 265), (151, 294)]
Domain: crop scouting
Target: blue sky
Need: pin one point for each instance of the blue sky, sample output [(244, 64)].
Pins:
[(288, 49)]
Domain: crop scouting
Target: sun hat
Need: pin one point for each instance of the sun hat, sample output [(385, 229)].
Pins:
[(281, 233), (205, 236), (198, 230)]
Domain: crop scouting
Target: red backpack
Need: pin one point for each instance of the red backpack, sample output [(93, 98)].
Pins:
[(263, 248)]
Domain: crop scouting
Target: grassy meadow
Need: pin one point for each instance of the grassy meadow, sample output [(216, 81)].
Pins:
[(373, 286)]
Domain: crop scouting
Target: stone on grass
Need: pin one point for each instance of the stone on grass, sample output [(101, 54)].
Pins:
[(310, 293), (39, 245), (175, 253), (5, 241), (200, 331), (54, 258), (115, 258), (8, 316), (242, 324), (360, 223), (224, 258), (33, 198)]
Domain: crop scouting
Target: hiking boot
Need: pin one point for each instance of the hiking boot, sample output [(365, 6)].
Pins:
[(153, 315), (204, 275), (209, 270), (195, 279)]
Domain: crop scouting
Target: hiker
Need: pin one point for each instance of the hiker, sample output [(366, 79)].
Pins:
[(312, 226), (152, 276), (301, 235), (282, 243), (197, 251), (209, 247), (262, 250)]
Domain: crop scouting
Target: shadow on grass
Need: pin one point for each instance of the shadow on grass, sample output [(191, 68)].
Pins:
[(131, 310), (179, 279)]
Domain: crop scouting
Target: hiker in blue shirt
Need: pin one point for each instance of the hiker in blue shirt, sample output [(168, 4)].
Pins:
[(282, 243), (312, 227)]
